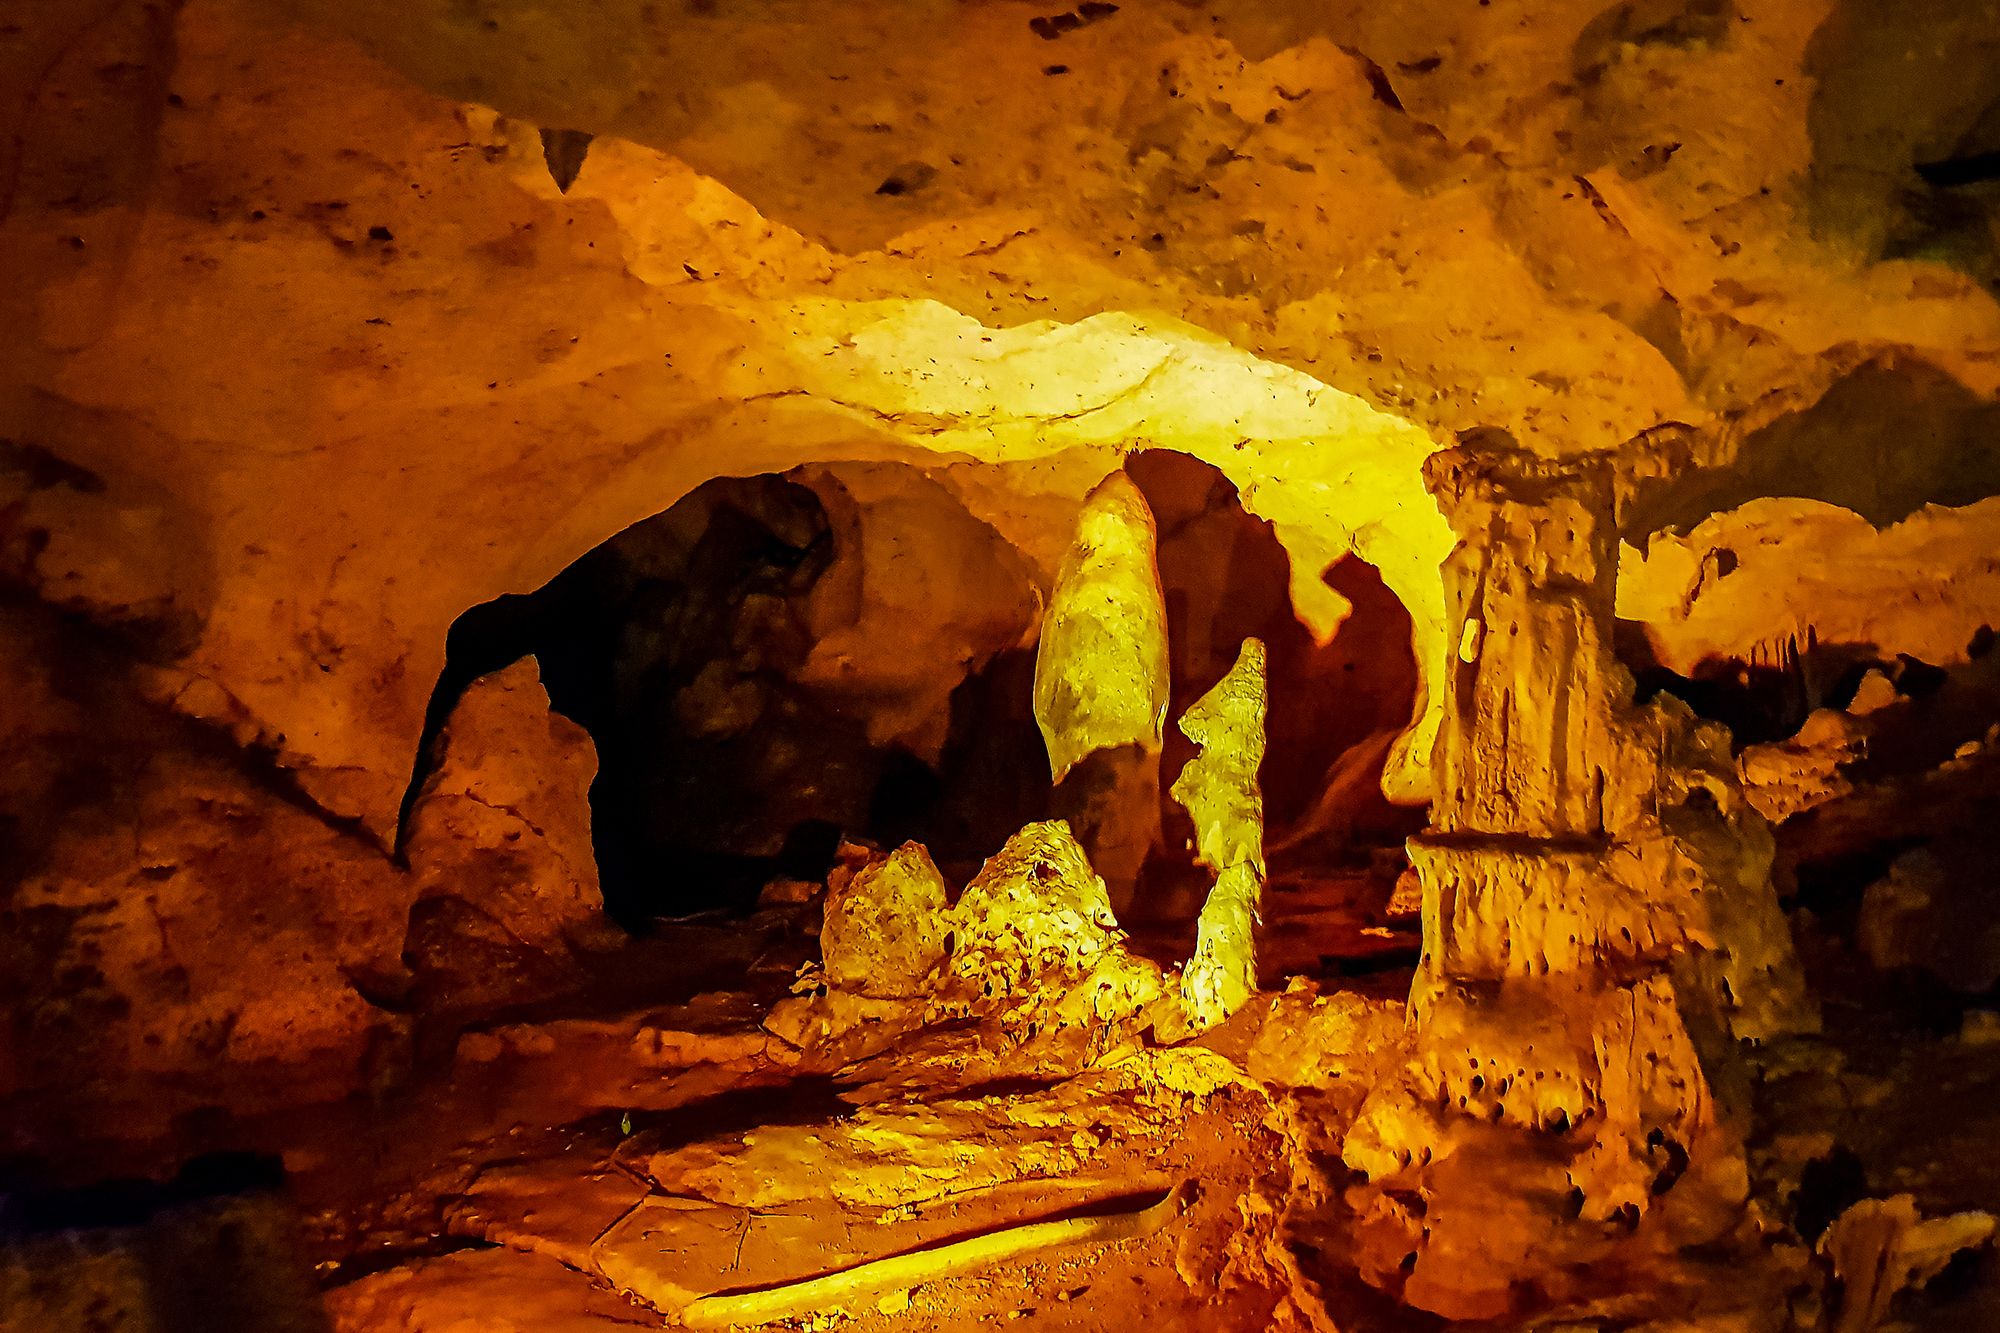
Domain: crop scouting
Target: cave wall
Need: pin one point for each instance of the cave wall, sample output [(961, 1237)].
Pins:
[(308, 353)]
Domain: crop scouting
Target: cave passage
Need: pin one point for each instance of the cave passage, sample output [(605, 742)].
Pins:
[(685, 646), (746, 665), (1334, 708)]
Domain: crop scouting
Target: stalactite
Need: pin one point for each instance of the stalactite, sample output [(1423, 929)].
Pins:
[(1101, 683)]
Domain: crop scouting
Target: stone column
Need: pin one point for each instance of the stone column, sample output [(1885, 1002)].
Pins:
[(1598, 922)]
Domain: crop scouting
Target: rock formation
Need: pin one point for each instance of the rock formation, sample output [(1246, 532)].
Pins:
[(1101, 683), (1219, 789), (499, 847), (1597, 913), (335, 329)]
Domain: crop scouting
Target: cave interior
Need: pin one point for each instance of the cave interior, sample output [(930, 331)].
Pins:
[(1248, 664)]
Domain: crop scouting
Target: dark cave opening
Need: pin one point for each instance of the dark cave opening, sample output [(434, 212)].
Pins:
[(691, 647), (682, 646)]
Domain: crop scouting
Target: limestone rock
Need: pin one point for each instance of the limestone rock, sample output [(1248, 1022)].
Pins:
[(495, 1290), (723, 279), (546, 1207), (1880, 1247), (1219, 785), (499, 838), (920, 594), (1595, 891), (179, 931), (1779, 569), (1037, 942), (1219, 789), (1101, 669), (1786, 778), (1934, 912), (884, 928)]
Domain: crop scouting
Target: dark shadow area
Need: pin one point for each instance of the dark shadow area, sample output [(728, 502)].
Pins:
[(217, 1247), (991, 779), (1765, 697), (679, 644), (1887, 439), (669, 643), (1905, 121)]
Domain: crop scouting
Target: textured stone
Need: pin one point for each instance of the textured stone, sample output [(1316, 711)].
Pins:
[(482, 1291), (1101, 668), (884, 927), (1219, 790), (499, 847), (503, 820), (1594, 887)]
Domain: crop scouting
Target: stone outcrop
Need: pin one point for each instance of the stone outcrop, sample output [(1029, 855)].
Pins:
[(1101, 668), (499, 846), (1101, 683), (1780, 570), (882, 931)]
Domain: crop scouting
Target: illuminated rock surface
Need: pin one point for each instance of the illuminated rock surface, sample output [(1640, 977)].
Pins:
[(334, 326), (499, 844), (1219, 789), (1101, 669), (1101, 683), (1580, 901)]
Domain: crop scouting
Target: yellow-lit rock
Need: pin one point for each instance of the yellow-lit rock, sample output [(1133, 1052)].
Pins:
[(1101, 683), (1775, 571), (1037, 942), (1101, 667), (884, 925), (502, 824), (1219, 789), (1594, 885)]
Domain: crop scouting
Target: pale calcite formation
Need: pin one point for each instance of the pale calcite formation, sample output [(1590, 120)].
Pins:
[(1037, 941), (1101, 666), (1218, 787), (883, 927), (1031, 944), (1101, 683), (1595, 891)]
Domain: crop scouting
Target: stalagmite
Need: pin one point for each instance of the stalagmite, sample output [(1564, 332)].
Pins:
[(1219, 789), (1101, 683)]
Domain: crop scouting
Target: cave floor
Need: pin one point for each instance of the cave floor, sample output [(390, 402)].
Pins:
[(502, 1184), (1899, 1095), (503, 1177)]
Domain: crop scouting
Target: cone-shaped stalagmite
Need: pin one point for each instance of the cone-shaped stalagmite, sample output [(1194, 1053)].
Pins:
[(1219, 789), (1101, 683)]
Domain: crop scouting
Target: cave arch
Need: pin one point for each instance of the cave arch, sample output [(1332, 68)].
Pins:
[(748, 666)]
